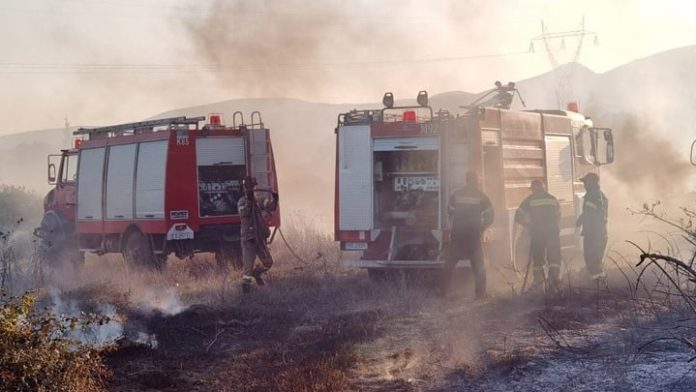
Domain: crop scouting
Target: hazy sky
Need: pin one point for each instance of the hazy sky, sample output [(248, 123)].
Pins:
[(106, 61)]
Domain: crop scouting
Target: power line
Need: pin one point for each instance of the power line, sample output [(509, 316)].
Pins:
[(243, 15), (564, 91), (17, 67), (245, 12)]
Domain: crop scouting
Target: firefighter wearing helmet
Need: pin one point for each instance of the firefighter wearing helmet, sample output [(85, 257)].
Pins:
[(593, 220), (540, 213), (471, 212), (254, 232)]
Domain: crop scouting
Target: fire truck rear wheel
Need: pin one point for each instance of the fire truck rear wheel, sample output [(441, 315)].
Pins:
[(138, 252)]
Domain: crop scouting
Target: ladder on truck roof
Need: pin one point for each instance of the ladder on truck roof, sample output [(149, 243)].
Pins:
[(137, 127)]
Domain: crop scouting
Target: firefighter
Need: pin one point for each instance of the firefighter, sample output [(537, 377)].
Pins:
[(540, 214), (471, 212), (254, 233), (595, 208)]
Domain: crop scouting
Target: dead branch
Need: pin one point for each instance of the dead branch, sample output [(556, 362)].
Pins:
[(682, 265), (653, 260), (556, 337)]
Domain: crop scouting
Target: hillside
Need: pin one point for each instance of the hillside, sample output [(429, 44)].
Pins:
[(649, 102)]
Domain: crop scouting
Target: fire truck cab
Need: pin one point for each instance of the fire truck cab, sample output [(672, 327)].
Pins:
[(397, 166), (153, 188)]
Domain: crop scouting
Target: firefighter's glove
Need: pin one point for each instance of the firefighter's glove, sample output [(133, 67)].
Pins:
[(275, 196)]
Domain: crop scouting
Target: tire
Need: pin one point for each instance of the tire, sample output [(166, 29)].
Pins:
[(138, 252), (229, 254), (57, 247)]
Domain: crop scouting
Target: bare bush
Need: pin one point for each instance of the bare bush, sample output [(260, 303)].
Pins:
[(680, 275), (35, 355), (18, 203)]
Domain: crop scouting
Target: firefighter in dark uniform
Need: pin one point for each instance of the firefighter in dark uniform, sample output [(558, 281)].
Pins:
[(254, 233), (540, 213), (595, 208), (471, 212)]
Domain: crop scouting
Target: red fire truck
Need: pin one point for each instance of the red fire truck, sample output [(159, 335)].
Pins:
[(397, 166), (149, 189)]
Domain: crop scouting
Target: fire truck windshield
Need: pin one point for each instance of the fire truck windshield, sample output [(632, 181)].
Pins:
[(69, 170)]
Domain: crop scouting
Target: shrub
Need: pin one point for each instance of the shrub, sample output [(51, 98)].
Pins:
[(35, 354), (18, 203)]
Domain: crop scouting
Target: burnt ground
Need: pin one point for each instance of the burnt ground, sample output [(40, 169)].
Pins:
[(336, 331)]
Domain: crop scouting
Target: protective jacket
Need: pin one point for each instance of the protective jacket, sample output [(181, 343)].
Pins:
[(540, 212), (595, 209), (471, 211), (253, 225)]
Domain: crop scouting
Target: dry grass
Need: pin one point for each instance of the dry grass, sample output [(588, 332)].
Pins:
[(317, 326)]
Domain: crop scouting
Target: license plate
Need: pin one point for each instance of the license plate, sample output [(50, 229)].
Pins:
[(181, 236), (423, 183), (178, 233), (356, 245)]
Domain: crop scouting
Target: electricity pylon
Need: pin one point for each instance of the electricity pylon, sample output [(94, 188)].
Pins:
[(564, 90)]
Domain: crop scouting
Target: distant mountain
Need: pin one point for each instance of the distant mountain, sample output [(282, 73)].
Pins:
[(658, 91)]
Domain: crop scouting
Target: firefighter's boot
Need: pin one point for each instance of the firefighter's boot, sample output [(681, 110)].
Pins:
[(539, 282), (554, 280), (256, 274), (246, 283)]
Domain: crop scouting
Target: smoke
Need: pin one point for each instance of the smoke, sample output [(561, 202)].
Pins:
[(341, 51), (111, 303), (99, 325), (648, 168), (647, 165), (289, 49), (106, 331), (164, 300)]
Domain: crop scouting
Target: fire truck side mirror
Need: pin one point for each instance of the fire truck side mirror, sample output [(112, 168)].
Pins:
[(422, 98), (604, 146), (51, 174), (53, 162), (388, 100), (693, 153)]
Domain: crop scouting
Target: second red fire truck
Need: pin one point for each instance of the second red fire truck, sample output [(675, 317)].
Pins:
[(397, 166), (153, 188)]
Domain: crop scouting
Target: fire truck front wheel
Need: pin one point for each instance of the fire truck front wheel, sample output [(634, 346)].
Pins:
[(58, 243), (138, 252)]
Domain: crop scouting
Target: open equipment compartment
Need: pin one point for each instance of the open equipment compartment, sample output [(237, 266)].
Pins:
[(221, 165), (406, 186)]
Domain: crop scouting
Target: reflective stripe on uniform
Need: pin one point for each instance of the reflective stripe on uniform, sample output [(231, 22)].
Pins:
[(542, 203), (467, 200), (591, 204)]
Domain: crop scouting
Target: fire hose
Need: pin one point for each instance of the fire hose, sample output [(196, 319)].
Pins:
[(287, 245), (279, 231)]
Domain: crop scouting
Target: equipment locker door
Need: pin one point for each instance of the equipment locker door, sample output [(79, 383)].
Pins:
[(559, 174), (355, 183), (89, 187), (261, 158), (559, 167)]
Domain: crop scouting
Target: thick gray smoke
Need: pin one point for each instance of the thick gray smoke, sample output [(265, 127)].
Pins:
[(648, 166), (265, 48)]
